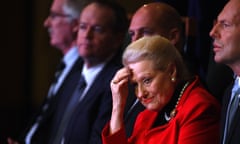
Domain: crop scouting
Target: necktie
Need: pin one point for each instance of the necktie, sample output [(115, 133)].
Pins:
[(231, 113), (59, 70), (233, 108), (57, 74), (45, 106), (70, 109)]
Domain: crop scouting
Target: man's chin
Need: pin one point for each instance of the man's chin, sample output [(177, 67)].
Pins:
[(218, 59)]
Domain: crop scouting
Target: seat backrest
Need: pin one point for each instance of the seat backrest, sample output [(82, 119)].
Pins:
[(190, 33)]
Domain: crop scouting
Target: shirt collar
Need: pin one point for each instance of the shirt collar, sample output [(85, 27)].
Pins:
[(91, 73), (71, 56), (236, 85)]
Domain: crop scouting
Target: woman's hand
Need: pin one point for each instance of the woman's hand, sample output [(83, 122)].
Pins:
[(119, 87)]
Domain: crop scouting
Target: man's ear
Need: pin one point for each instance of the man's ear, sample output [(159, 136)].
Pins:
[(75, 25), (175, 36)]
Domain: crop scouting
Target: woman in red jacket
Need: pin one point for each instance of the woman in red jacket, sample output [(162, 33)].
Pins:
[(178, 108)]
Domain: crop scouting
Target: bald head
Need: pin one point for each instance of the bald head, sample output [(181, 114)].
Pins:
[(156, 18)]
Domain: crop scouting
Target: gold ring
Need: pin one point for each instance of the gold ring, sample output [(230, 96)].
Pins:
[(114, 82)]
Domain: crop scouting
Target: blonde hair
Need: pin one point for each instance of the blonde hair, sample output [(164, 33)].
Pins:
[(157, 49)]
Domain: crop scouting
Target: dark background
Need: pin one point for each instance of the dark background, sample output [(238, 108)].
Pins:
[(28, 61)]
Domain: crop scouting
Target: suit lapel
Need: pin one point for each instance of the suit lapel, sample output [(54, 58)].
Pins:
[(62, 96), (103, 79), (225, 100), (54, 100), (236, 120), (99, 90)]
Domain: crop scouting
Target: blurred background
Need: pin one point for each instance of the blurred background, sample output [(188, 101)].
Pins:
[(28, 61)]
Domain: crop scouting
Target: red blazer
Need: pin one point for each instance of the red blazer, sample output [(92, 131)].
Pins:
[(196, 122)]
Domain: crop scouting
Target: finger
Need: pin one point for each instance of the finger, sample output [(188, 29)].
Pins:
[(121, 75)]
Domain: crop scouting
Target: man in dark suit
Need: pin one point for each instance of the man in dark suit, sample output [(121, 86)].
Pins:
[(101, 32), (226, 43), (61, 24)]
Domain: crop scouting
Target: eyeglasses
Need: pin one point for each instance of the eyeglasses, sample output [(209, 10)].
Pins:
[(55, 15)]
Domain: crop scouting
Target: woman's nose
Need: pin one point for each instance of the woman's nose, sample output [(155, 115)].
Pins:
[(140, 91)]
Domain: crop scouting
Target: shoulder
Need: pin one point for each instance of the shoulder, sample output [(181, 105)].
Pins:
[(197, 101), (196, 93)]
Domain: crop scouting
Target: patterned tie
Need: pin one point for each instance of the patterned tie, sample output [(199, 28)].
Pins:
[(70, 109)]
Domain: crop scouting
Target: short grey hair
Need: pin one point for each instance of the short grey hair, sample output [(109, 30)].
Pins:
[(73, 8), (157, 49)]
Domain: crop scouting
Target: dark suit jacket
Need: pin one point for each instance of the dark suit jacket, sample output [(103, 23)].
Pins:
[(43, 133), (94, 110), (234, 132), (131, 114)]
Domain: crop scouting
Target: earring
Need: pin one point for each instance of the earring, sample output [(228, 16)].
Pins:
[(173, 79)]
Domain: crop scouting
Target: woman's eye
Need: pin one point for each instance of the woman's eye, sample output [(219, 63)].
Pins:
[(147, 81)]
